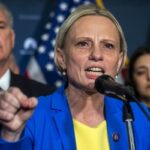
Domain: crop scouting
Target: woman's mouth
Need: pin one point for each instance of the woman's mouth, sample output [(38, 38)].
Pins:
[(94, 72)]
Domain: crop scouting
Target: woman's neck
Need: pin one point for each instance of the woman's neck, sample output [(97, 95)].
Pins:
[(87, 108)]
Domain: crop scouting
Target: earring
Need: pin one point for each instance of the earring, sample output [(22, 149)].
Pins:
[(64, 73), (116, 77)]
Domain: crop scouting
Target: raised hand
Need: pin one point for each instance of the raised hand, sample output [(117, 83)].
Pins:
[(15, 109)]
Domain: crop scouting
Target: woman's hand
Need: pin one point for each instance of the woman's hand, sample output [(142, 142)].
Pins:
[(15, 109)]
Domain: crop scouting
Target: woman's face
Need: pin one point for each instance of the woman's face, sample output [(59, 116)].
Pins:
[(141, 76), (92, 48)]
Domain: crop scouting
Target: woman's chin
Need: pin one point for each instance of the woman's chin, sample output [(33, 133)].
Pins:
[(91, 86)]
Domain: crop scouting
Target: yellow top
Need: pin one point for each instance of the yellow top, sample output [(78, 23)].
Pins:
[(88, 138)]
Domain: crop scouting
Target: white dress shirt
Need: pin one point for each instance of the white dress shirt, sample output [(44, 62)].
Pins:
[(5, 80)]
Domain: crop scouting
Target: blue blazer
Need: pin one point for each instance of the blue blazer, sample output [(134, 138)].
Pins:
[(51, 126)]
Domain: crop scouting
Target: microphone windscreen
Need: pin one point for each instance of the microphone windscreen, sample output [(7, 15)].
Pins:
[(105, 84)]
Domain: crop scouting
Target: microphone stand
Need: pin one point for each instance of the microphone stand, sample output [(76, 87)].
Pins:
[(127, 113), (128, 119), (128, 116)]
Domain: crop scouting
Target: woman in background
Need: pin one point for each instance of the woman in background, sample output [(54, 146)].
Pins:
[(139, 74)]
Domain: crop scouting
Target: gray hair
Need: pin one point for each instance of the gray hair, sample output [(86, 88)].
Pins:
[(8, 14), (86, 10)]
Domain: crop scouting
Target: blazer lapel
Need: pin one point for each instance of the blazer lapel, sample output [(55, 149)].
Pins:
[(63, 120), (117, 132)]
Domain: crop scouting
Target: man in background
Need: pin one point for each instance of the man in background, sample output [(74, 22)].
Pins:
[(7, 77)]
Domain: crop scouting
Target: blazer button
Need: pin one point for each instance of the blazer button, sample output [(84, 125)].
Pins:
[(115, 136)]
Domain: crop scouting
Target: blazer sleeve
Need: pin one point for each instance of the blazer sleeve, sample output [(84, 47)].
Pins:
[(25, 143)]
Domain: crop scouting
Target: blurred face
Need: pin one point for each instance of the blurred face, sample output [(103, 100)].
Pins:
[(6, 37), (92, 48), (141, 76)]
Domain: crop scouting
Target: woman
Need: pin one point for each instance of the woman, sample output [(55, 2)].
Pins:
[(139, 74), (90, 43)]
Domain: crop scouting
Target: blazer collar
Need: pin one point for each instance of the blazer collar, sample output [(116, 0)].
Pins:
[(116, 128), (63, 119), (59, 99)]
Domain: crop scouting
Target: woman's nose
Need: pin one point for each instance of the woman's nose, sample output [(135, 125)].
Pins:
[(96, 53)]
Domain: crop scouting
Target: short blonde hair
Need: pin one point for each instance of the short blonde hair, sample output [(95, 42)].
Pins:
[(86, 10)]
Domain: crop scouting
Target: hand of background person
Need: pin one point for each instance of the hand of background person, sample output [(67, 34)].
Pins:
[(15, 109)]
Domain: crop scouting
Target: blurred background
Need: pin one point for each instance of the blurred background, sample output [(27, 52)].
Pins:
[(36, 23)]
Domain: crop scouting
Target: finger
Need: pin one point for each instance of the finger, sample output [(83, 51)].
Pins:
[(7, 107), (15, 125), (22, 116), (29, 103), (22, 98), (17, 93), (28, 108), (6, 116), (9, 98)]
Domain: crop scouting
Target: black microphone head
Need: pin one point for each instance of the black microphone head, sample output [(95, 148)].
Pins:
[(105, 84), (101, 81)]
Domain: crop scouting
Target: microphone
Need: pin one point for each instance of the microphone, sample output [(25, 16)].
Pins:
[(105, 84)]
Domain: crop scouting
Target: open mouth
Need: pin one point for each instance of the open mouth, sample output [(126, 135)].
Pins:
[(95, 70)]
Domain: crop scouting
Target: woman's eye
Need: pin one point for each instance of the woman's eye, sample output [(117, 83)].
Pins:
[(140, 73), (2, 25), (109, 46), (83, 44)]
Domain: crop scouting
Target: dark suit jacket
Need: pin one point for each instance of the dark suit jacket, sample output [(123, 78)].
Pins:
[(30, 87)]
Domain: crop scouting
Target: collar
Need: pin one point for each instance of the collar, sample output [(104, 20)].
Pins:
[(61, 102), (5, 80)]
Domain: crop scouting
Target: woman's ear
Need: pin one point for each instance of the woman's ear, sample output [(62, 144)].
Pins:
[(60, 56)]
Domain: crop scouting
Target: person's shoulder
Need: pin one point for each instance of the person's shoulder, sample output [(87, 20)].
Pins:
[(58, 95), (139, 108), (49, 102), (29, 86), (118, 104), (56, 99), (22, 78)]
